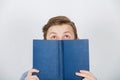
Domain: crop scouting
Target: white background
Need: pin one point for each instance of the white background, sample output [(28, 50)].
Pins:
[(21, 21)]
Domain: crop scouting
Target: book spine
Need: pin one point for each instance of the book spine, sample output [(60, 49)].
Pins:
[(60, 59)]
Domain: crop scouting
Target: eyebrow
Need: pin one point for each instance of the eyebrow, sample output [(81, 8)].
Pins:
[(56, 33), (53, 33), (67, 32)]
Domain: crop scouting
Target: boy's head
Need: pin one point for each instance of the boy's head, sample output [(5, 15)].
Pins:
[(60, 28)]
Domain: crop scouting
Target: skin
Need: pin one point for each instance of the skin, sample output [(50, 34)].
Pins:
[(61, 32)]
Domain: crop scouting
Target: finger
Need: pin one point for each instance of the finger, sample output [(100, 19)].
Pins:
[(86, 72), (31, 71), (85, 75), (86, 79), (80, 74), (34, 77)]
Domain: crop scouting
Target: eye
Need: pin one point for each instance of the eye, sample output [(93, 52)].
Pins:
[(53, 37), (67, 37)]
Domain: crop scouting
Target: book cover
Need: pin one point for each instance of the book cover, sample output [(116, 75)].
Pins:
[(60, 59)]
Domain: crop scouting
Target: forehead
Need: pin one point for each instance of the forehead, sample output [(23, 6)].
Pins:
[(62, 28)]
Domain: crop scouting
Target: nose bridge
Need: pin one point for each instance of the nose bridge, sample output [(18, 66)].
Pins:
[(60, 39), (60, 36)]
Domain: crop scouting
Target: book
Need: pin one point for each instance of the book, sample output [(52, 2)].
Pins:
[(60, 59)]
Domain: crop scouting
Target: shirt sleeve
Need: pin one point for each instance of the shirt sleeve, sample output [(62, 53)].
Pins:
[(24, 75)]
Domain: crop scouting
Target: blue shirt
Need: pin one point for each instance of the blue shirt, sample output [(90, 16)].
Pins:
[(24, 75)]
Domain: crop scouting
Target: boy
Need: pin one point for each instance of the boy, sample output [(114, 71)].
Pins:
[(60, 28)]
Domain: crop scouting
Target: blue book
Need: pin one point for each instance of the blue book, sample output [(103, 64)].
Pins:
[(60, 59)]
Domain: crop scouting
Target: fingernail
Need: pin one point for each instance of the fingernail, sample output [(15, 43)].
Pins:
[(37, 70), (81, 70), (76, 73)]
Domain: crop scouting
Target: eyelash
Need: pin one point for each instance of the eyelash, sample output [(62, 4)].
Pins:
[(67, 36), (53, 37)]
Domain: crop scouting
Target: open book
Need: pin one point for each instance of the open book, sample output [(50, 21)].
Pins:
[(60, 59)]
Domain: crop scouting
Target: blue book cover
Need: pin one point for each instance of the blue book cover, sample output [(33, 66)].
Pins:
[(60, 59)]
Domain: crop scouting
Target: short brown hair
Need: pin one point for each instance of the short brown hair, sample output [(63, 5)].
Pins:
[(59, 20)]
